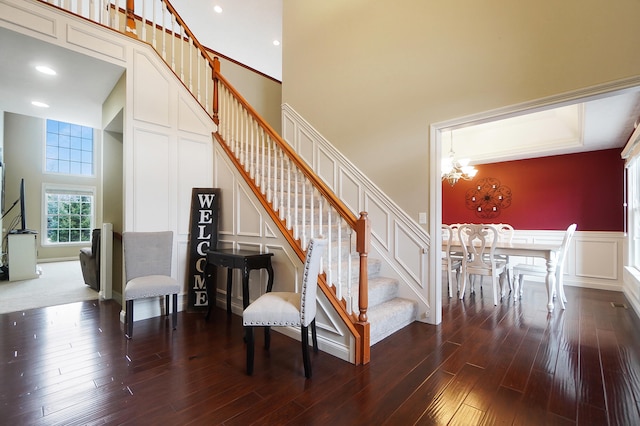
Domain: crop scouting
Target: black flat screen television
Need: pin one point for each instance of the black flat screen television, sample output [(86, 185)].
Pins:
[(23, 213), (23, 210)]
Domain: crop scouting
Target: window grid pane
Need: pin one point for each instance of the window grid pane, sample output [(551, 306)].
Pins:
[(67, 142), (69, 217)]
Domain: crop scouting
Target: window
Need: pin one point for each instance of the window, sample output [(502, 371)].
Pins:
[(69, 215), (69, 148), (633, 210)]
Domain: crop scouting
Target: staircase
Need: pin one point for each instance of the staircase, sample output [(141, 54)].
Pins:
[(387, 312)]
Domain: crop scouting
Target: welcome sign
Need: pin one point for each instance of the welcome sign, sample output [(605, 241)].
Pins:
[(203, 236)]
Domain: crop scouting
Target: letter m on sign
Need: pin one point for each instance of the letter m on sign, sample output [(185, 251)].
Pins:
[(203, 236)]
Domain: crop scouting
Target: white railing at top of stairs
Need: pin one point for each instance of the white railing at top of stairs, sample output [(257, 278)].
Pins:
[(160, 26)]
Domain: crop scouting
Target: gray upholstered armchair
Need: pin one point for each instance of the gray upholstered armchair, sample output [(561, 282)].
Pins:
[(90, 261)]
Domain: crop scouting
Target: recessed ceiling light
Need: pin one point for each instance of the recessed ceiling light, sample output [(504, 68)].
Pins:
[(46, 70), (276, 42), (217, 9), (39, 104)]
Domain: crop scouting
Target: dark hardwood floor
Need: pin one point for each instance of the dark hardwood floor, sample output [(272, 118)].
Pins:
[(510, 364)]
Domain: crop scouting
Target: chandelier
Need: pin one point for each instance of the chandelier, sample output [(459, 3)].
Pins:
[(453, 170)]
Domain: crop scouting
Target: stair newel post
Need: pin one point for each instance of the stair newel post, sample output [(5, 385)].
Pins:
[(363, 235), (216, 72), (130, 29)]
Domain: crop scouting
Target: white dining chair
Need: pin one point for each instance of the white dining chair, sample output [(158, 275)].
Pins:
[(451, 262), (505, 235), (520, 270), (478, 245)]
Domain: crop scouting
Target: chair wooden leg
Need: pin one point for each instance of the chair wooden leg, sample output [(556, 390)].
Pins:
[(248, 335), (129, 319), (305, 351), (314, 336), (174, 318), (166, 305), (267, 338)]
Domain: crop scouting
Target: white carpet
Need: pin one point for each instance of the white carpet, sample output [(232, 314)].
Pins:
[(59, 283)]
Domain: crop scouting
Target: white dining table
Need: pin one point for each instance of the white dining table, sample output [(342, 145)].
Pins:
[(549, 252)]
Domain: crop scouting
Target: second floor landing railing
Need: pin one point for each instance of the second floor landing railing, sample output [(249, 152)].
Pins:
[(297, 200)]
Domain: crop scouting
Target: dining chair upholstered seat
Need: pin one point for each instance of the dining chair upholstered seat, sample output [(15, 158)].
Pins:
[(478, 244), (288, 309), (147, 264), (520, 270)]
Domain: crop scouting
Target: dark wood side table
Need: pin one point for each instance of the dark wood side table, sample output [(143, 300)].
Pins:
[(246, 260)]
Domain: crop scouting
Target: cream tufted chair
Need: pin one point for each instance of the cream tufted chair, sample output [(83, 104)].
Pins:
[(288, 309), (147, 264)]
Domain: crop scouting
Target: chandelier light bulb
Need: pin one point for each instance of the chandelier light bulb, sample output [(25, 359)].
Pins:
[(453, 170)]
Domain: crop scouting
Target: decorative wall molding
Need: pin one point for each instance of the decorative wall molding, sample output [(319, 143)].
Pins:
[(28, 19), (96, 43)]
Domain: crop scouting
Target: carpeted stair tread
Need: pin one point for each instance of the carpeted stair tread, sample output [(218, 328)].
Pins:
[(391, 316)]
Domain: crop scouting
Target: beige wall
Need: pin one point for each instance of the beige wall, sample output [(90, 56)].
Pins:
[(373, 76), (262, 93)]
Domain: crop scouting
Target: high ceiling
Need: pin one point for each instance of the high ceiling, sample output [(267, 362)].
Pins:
[(245, 31)]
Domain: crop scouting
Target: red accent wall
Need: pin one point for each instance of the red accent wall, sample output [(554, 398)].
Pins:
[(550, 193)]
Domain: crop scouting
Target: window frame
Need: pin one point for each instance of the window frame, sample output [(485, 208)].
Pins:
[(49, 188), (94, 136), (633, 211)]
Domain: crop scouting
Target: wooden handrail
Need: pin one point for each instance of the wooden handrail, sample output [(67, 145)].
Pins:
[(302, 165)]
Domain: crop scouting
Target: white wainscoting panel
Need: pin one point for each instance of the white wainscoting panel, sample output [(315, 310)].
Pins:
[(596, 259), (409, 252), (90, 41), (327, 168), (194, 171), (191, 117), (150, 180), (223, 178), (380, 222), (306, 147), (249, 213), (28, 19), (151, 101), (349, 191)]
